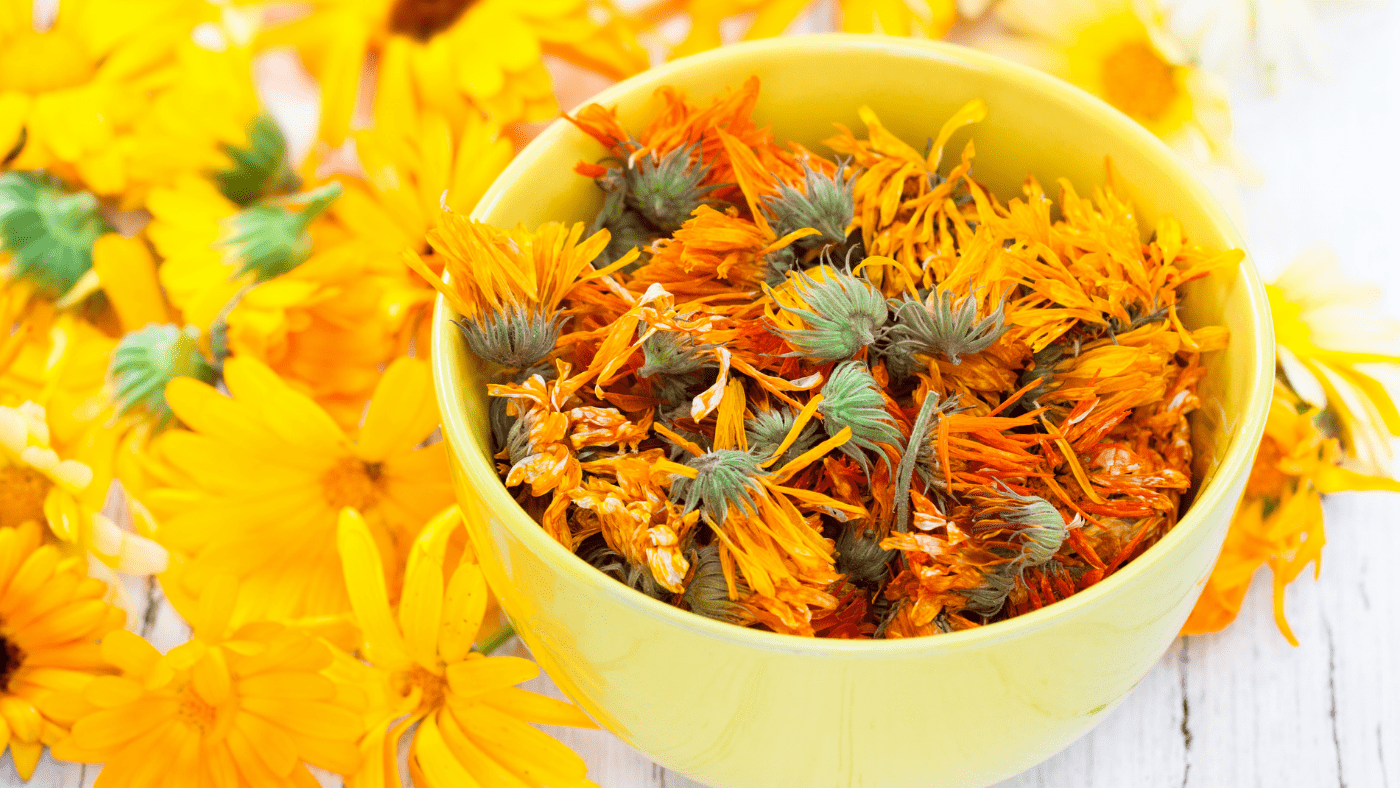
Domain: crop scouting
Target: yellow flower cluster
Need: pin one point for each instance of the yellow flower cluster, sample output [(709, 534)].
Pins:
[(212, 371)]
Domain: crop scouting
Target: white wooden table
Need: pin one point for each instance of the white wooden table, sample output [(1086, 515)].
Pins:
[(1242, 708)]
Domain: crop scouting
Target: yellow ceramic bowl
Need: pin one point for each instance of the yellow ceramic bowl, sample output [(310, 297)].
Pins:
[(738, 707)]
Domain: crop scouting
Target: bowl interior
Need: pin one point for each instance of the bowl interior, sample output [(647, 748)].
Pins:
[(1035, 125)]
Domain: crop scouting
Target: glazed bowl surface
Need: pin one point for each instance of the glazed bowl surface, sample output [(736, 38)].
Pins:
[(730, 706)]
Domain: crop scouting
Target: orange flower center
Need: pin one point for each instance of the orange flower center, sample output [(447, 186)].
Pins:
[(40, 62), (422, 19), (352, 483), (11, 657), (22, 494), (432, 686), (1138, 81), (196, 711)]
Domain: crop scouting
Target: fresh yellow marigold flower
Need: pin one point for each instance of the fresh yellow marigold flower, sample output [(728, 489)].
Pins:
[(414, 163), (1329, 333), (321, 327), (37, 485), (462, 54), (922, 18), (1120, 51), (79, 97), (473, 724), (246, 706), (62, 363), (254, 487), (213, 249), (51, 617), (1279, 520)]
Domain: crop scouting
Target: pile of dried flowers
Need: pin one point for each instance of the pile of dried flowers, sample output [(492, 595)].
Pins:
[(853, 398)]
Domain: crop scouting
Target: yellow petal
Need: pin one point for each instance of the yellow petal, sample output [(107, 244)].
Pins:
[(312, 718), (402, 412), (483, 767), (26, 756), (541, 710), (128, 274), (473, 677), (420, 608), (364, 581), (216, 603), (463, 607), (111, 691), (437, 761)]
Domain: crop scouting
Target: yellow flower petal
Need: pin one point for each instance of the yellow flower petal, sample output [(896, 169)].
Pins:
[(475, 677), (436, 759), (364, 579), (420, 608), (402, 412)]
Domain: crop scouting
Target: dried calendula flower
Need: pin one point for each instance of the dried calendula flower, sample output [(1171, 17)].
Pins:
[(859, 555), (666, 189), (836, 314), (767, 430), (826, 204), (508, 285), (945, 324), (908, 444), (724, 478), (851, 399), (708, 592)]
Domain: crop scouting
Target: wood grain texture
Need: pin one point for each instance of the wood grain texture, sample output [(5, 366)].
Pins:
[(1241, 708)]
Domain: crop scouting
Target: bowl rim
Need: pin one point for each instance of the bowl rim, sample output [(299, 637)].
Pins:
[(1238, 457)]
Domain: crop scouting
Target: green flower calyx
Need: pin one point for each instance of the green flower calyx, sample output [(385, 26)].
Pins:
[(48, 230), (147, 359), (514, 338), (269, 239), (946, 324), (826, 204), (708, 593), (845, 313), (667, 190), (724, 477), (260, 169), (852, 398)]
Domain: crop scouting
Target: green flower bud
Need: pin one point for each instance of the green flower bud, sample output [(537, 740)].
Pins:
[(147, 359), (1042, 373), (1032, 520), (630, 230), (943, 325), (852, 398), (988, 598), (673, 353), (259, 170), (723, 477), (595, 551), (845, 314), (768, 428), (667, 190), (826, 205), (48, 230), (860, 557), (514, 338), (708, 593), (268, 239)]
